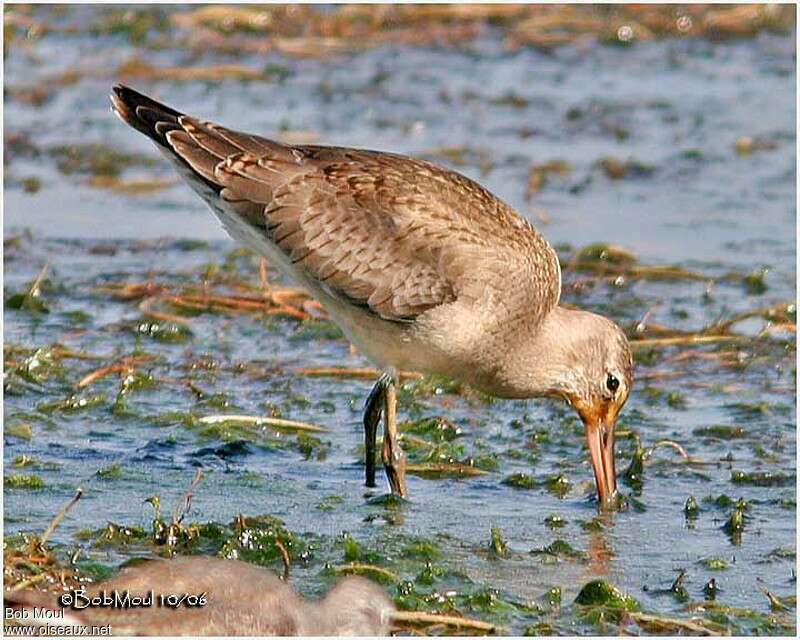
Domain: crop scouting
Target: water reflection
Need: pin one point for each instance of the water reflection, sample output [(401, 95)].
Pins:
[(600, 549)]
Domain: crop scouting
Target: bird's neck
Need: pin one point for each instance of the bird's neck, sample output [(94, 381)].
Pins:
[(541, 362)]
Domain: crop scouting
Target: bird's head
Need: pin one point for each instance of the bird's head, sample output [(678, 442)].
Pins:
[(356, 607), (598, 387), (585, 359)]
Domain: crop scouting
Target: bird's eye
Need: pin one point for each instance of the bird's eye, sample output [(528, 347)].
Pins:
[(612, 384)]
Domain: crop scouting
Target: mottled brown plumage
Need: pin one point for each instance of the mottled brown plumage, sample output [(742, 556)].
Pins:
[(241, 600), (397, 235), (421, 267)]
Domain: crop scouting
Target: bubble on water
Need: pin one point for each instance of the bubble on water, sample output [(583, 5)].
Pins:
[(684, 24), (625, 33)]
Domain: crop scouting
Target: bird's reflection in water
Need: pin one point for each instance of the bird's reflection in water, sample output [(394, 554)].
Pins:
[(600, 551)]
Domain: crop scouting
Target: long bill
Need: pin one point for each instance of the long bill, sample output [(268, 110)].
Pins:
[(600, 438)]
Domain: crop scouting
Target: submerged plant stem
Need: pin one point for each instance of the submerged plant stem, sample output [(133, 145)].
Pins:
[(60, 516)]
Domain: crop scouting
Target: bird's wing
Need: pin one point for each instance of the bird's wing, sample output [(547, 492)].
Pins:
[(396, 235)]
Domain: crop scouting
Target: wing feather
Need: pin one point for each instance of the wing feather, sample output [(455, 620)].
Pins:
[(395, 235)]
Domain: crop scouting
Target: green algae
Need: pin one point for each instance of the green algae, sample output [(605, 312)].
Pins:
[(594, 525), (24, 462), (634, 474), (498, 544), (782, 553), (115, 535), (520, 481), (259, 539), (312, 447), (606, 253), (599, 593), (96, 159), (110, 472), (433, 385), (421, 549), (721, 432), (435, 429), (166, 332), (29, 301), (137, 381), (72, 404), (21, 430), (555, 521), (39, 367), (559, 485), (714, 563), (755, 282), (311, 330), (762, 479), (352, 550), (559, 550), (734, 526), (722, 501), (23, 481)]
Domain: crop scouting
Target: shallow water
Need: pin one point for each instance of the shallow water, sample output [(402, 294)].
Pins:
[(676, 107)]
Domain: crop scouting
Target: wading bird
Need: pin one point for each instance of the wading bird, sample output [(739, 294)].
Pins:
[(422, 268), (206, 596)]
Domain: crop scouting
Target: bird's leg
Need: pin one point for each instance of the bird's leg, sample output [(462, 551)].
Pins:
[(394, 458), (382, 400), (373, 409)]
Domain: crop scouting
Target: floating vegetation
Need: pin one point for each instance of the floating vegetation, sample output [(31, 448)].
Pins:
[(722, 432), (735, 524), (691, 508), (520, 481), (559, 550), (22, 481), (599, 593), (72, 404), (135, 69), (762, 479), (617, 169), (498, 545), (745, 145), (540, 173), (555, 521), (23, 431), (31, 300), (96, 159), (714, 563), (168, 332)]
